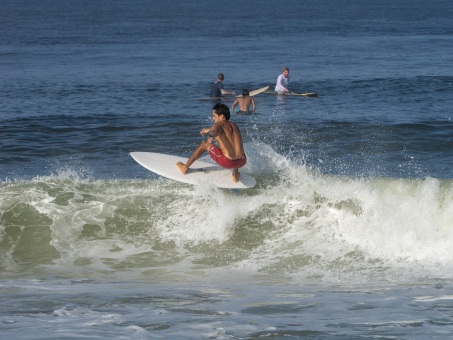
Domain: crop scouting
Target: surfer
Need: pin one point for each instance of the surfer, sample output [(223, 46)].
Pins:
[(230, 152), (244, 103), (281, 87), (217, 89)]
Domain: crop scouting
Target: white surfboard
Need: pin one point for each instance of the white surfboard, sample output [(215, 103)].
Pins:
[(200, 172), (255, 92)]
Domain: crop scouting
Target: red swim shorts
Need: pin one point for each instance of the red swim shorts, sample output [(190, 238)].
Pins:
[(217, 155)]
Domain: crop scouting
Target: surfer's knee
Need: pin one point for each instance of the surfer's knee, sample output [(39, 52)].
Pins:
[(205, 145)]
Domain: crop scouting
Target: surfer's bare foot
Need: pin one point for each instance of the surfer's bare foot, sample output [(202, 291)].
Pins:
[(181, 167), (235, 175)]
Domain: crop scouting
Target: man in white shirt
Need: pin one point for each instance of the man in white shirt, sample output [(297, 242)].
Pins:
[(282, 82)]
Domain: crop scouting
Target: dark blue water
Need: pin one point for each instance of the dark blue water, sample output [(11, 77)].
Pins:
[(348, 233), (106, 78)]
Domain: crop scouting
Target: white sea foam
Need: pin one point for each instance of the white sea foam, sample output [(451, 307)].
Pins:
[(296, 222)]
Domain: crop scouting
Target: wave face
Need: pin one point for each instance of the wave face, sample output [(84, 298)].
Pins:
[(296, 222)]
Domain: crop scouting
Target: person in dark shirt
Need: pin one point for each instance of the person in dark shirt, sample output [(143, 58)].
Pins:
[(217, 89)]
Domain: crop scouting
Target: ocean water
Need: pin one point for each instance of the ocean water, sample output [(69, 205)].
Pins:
[(349, 231)]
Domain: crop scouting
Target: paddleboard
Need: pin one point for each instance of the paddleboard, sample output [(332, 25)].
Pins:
[(200, 172), (307, 94), (255, 92)]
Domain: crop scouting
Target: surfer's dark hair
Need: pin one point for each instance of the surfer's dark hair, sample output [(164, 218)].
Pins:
[(220, 76), (245, 93), (222, 109)]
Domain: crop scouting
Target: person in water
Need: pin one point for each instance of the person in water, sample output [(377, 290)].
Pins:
[(281, 87), (244, 103), (230, 152), (217, 89)]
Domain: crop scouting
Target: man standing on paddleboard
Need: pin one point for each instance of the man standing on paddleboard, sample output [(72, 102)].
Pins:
[(217, 89), (230, 152), (281, 87)]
